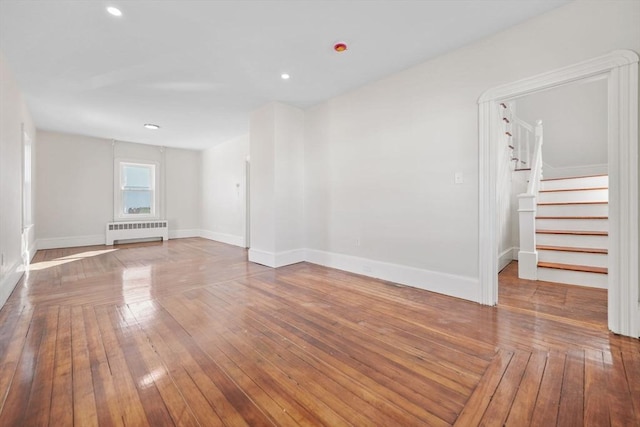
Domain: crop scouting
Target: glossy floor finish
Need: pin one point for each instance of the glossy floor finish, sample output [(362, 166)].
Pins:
[(189, 333)]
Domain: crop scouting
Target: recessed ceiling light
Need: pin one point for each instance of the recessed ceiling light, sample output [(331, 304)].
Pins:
[(285, 76), (151, 126), (114, 11)]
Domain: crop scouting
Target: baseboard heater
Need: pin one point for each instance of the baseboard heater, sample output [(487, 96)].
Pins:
[(136, 230)]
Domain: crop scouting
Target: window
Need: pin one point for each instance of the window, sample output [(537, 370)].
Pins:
[(136, 196)]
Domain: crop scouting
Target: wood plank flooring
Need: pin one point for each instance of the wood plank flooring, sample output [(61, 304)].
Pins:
[(187, 332)]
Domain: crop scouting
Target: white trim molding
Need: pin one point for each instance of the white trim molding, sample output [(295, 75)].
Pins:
[(448, 284), (184, 234), (229, 239), (9, 282), (70, 242), (620, 68), (277, 259), (506, 257)]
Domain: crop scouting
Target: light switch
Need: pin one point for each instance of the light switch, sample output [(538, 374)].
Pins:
[(458, 179)]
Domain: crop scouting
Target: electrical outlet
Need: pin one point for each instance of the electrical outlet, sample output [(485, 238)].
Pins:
[(357, 242), (458, 178)]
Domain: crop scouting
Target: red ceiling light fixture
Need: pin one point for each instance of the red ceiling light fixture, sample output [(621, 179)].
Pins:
[(340, 47)]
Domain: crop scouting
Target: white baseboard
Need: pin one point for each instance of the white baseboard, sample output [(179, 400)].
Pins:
[(184, 234), (506, 257), (70, 242), (290, 257), (8, 284), (278, 259), (448, 284), (32, 250), (222, 237)]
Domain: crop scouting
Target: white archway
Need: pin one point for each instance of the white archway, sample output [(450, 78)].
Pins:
[(620, 68)]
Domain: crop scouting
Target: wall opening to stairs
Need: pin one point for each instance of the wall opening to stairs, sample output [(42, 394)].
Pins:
[(620, 71), (571, 221)]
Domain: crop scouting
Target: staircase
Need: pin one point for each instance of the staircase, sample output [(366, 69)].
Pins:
[(572, 230)]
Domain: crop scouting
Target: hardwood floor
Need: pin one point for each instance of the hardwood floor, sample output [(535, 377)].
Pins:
[(188, 333)]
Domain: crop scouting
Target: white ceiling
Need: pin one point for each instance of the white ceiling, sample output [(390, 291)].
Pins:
[(198, 68)]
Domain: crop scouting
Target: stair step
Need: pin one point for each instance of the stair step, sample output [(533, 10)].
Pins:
[(574, 182), (599, 209), (560, 190), (572, 277), (569, 224), (571, 267), (571, 249), (572, 217), (574, 177), (577, 182), (573, 196), (591, 258), (599, 202), (572, 240), (571, 236), (574, 232)]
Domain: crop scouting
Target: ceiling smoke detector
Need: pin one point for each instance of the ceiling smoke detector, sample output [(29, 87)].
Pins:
[(340, 47)]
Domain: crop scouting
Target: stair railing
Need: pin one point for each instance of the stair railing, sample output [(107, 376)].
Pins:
[(528, 255), (520, 135), (523, 134)]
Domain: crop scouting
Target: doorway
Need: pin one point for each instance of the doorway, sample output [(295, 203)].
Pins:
[(620, 69), (247, 204), (571, 217), (27, 237)]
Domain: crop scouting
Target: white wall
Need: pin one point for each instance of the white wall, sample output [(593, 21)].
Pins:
[(289, 178), (381, 160), (183, 189), (575, 127), (262, 149), (13, 116), (223, 191), (74, 175), (277, 188)]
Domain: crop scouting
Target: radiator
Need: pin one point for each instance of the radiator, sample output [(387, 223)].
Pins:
[(136, 230)]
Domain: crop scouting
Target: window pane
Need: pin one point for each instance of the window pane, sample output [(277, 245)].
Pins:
[(137, 201), (137, 177)]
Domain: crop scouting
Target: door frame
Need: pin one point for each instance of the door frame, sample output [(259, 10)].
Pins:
[(620, 68), (26, 197)]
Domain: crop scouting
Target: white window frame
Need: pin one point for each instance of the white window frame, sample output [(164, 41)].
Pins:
[(118, 190)]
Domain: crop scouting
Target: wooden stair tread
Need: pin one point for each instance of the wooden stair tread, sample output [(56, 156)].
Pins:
[(574, 177), (571, 267), (572, 203), (575, 232), (572, 249), (572, 217), (573, 189)]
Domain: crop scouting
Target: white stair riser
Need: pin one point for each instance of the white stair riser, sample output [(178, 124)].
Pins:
[(580, 278), (572, 240), (588, 182), (574, 258), (573, 210), (573, 224), (574, 196)]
